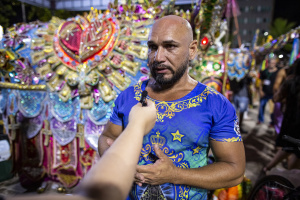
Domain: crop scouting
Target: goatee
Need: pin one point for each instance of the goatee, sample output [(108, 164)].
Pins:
[(160, 79)]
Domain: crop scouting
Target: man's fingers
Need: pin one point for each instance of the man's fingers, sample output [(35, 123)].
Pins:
[(139, 179), (139, 183), (159, 153), (143, 169)]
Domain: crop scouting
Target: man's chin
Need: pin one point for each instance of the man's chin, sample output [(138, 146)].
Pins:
[(164, 81)]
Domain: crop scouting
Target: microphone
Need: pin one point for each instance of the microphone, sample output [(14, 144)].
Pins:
[(143, 98)]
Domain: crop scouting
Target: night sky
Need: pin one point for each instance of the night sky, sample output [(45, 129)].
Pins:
[(288, 9)]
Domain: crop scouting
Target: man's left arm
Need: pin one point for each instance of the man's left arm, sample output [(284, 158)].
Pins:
[(227, 171)]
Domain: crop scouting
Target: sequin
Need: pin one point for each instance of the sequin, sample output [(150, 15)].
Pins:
[(30, 102), (63, 132), (3, 99), (64, 111), (12, 106), (92, 133), (31, 126), (100, 113)]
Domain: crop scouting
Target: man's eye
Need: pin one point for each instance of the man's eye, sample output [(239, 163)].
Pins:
[(170, 46), (152, 47)]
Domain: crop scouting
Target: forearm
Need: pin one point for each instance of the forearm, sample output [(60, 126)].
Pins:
[(213, 176), (102, 144), (117, 166)]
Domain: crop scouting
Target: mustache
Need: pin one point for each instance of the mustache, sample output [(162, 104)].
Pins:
[(156, 65)]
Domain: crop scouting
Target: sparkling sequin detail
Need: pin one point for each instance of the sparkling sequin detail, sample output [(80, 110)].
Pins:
[(30, 126), (3, 99), (92, 133), (30, 102), (12, 106), (63, 132), (64, 111), (100, 113)]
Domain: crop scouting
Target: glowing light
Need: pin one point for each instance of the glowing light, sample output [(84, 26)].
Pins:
[(280, 56), (293, 35), (204, 41), (216, 66), (266, 33)]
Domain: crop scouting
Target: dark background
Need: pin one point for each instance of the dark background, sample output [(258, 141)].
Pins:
[(288, 9)]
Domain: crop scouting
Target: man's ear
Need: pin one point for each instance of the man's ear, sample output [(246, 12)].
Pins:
[(193, 48)]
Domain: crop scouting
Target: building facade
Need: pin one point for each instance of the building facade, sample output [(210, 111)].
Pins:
[(255, 14)]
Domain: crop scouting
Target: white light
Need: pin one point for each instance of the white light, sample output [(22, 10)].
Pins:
[(266, 33), (1, 32), (209, 67), (293, 35), (280, 56)]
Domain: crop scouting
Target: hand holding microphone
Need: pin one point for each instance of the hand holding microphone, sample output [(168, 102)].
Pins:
[(143, 100), (143, 114)]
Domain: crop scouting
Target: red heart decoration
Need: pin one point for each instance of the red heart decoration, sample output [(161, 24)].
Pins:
[(70, 36), (81, 40)]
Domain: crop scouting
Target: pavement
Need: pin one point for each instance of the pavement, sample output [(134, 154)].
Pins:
[(259, 145)]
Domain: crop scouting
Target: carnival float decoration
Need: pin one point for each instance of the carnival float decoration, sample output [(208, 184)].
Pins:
[(58, 84), (215, 62)]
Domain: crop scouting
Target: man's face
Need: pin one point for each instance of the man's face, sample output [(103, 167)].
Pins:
[(273, 63), (168, 54)]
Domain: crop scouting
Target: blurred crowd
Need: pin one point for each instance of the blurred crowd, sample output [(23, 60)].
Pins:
[(277, 89)]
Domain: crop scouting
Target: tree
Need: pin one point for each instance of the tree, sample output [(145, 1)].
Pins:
[(281, 26), (8, 12)]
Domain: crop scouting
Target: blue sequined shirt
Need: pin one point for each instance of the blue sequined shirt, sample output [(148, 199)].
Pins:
[(183, 129)]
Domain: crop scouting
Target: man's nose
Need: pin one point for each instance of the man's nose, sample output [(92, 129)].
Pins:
[(160, 55)]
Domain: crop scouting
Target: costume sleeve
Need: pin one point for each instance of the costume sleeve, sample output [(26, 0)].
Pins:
[(225, 125), (116, 117)]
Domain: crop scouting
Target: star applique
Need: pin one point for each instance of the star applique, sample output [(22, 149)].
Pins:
[(177, 136), (196, 150)]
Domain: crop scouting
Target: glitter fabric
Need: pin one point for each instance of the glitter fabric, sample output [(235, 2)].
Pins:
[(100, 113), (63, 132), (30, 102), (12, 106), (31, 126), (3, 99), (64, 111), (92, 133)]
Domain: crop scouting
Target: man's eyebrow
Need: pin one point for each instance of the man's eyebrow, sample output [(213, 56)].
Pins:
[(170, 42), (150, 42), (164, 42)]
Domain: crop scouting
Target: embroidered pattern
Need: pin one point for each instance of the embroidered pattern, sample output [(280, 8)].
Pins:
[(177, 136), (168, 109), (177, 158), (233, 139)]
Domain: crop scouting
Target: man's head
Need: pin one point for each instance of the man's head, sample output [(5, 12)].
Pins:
[(273, 62), (171, 46)]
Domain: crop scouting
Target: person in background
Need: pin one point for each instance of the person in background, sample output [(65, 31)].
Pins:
[(289, 94), (112, 176), (267, 78), (241, 98), (278, 114)]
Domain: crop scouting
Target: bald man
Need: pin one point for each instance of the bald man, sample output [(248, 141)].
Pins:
[(191, 118)]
